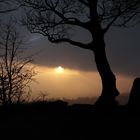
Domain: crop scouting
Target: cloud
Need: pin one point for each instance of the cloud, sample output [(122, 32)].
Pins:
[(73, 83), (122, 48), (53, 55)]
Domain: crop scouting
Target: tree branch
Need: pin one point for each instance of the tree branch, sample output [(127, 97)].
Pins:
[(9, 10), (72, 21), (83, 2), (67, 20), (75, 43), (128, 9), (109, 25)]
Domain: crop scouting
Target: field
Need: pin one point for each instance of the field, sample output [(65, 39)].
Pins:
[(57, 120)]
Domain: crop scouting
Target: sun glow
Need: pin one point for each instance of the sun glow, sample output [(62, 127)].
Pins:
[(59, 69), (62, 82)]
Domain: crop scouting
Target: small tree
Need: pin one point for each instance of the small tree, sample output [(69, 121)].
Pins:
[(56, 18), (15, 70)]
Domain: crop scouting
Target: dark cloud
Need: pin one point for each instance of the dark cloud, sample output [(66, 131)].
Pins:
[(63, 54), (122, 45), (123, 49)]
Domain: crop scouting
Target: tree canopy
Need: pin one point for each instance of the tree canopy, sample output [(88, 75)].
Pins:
[(55, 18)]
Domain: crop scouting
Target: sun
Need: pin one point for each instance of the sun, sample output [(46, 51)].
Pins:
[(59, 69)]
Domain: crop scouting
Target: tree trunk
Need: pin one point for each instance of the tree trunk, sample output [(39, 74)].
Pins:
[(109, 90)]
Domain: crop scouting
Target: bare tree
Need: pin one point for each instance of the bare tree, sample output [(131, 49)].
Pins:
[(56, 19), (15, 70)]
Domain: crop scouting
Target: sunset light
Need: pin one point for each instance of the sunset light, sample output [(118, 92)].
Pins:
[(59, 69)]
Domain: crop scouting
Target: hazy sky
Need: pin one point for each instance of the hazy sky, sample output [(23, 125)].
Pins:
[(122, 46), (123, 50), (81, 79)]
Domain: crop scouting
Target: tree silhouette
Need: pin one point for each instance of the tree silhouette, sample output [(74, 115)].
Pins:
[(15, 70), (57, 18)]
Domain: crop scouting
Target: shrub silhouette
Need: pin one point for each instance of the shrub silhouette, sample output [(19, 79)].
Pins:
[(134, 98)]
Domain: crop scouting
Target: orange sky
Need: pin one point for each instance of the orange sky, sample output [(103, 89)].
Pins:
[(73, 83)]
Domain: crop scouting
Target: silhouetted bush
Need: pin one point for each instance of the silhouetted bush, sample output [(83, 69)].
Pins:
[(134, 98)]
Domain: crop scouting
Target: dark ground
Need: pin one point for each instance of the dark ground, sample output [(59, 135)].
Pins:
[(58, 121)]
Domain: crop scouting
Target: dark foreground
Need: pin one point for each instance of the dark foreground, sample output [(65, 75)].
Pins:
[(58, 121)]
